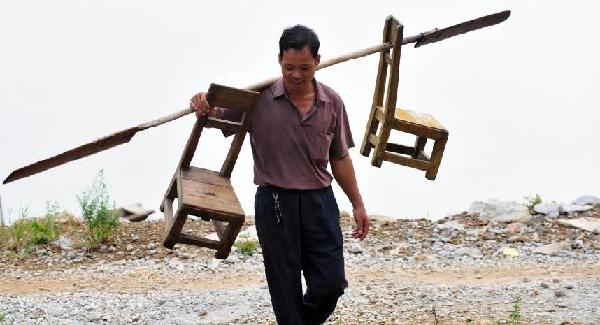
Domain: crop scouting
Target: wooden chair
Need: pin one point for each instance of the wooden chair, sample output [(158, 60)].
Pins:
[(385, 117), (204, 193)]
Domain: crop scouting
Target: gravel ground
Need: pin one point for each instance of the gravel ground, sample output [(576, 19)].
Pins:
[(407, 272)]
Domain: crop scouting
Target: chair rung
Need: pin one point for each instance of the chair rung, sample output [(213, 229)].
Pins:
[(414, 163), (189, 239)]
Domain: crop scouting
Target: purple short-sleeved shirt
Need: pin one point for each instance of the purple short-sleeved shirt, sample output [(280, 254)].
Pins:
[(292, 151)]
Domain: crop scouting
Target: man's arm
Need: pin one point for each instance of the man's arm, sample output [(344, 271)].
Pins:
[(343, 171)]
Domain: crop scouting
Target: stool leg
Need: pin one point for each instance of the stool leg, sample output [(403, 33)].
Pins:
[(436, 158), (384, 135)]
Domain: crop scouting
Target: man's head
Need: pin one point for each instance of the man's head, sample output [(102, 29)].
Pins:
[(297, 38), (298, 57)]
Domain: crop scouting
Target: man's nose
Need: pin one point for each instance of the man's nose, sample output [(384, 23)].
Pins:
[(296, 74)]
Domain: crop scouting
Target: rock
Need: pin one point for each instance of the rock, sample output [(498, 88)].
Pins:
[(500, 211), (585, 223), (550, 209), (151, 246), (570, 208), (552, 249), (516, 227), (129, 247), (451, 225), (64, 243), (355, 248), (559, 293), (510, 252), (135, 212), (544, 285), (469, 251), (587, 200), (248, 234), (569, 286)]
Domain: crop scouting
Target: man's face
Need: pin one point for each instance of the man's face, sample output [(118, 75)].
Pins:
[(298, 68)]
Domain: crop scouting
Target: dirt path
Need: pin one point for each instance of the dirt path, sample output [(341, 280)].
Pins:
[(144, 280)]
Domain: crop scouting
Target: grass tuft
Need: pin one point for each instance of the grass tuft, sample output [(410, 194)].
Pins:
[(96, 209)]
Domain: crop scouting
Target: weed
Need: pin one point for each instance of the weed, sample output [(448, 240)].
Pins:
[(246, 245), (96, 209), (531, 201), (515, 315)]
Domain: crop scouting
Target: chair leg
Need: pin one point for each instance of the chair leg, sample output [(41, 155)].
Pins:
[(175, 229), (384, 135), (436, 158), (419, 146)]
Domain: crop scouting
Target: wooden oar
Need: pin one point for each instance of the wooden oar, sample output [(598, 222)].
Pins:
[(125, 136)]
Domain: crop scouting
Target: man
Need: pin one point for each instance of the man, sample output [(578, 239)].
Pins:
[(298, 126)]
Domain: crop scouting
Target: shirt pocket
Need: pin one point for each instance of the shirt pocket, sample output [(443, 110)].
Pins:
[(320, 142)]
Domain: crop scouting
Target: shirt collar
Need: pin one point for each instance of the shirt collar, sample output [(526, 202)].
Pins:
[(279, 90)]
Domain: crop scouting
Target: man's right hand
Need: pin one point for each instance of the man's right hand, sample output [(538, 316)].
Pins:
[(200, 105)]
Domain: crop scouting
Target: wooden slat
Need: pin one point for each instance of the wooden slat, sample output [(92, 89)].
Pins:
[(205, 176), (423, 156), (190, 239), (229, 238), (231, 98), (379, 114), (397, 159), (373, 139), (236, 146), (222, 124), (168, 212)]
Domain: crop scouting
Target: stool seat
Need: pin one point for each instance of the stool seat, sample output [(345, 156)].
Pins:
[(208, 195), (420, 119)]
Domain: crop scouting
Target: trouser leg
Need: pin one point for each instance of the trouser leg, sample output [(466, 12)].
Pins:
[(322, 254), (280, 243)]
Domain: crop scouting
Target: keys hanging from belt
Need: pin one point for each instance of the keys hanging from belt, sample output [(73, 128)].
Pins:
[(278, 213)]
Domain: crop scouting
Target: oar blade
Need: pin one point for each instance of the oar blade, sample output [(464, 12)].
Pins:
[(465, 27), (85, 150)]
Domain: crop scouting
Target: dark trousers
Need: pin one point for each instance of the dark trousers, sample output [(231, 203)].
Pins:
[(302, 234)]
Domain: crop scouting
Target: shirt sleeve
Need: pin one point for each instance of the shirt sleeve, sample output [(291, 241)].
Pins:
[(342, 135)]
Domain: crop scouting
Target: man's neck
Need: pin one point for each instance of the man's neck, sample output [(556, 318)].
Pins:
[(307, 91)]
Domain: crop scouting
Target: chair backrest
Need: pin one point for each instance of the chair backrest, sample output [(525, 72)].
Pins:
[(389, 60), (228, 98)]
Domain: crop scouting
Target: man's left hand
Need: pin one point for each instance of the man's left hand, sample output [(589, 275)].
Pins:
[(362, 223)]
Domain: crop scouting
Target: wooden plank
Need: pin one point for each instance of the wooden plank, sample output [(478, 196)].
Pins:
[(209, 215), (436, 158), (419, 146), (380, 82), (171, 193), (387, 58), (373, 139), (190, 239), (210, 204), (206, 176), (231, 98), (397, 159), (224, 194), (391, 95)]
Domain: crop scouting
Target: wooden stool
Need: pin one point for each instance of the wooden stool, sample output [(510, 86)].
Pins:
[(423, 126), (204, 193)]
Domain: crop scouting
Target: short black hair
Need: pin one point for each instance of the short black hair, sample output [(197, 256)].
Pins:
[(297, 37)]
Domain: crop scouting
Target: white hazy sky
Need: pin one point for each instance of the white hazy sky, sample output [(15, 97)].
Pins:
[(520, 99)]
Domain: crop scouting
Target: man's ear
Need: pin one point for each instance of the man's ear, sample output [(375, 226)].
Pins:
[(279, 58), (318, 59)]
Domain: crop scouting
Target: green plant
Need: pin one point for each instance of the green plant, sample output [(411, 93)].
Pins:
[(515, 315), (246, 245), (531, 201), (15, 236), (96, 209)]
